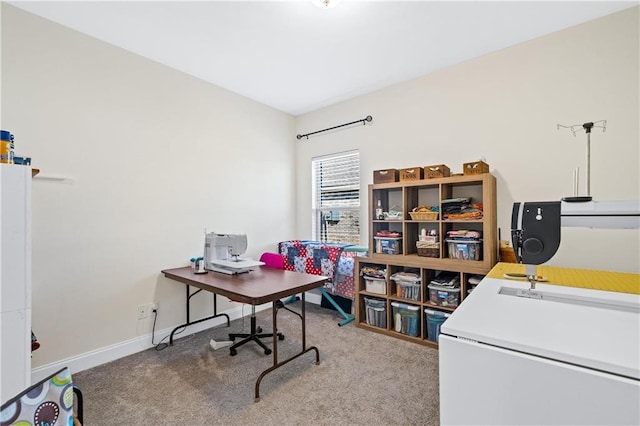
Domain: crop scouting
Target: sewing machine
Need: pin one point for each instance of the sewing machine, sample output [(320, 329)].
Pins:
[(535, 226), (539, 352), (222, 253)]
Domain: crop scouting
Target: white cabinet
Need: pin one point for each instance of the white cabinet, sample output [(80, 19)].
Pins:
[(15, 279), (569, 356)]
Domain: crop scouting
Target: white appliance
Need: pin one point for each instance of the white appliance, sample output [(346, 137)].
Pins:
[(15, 280), (222, 253), (566, 356)]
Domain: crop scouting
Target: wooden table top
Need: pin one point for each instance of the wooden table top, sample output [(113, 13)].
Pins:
[(256, 287)]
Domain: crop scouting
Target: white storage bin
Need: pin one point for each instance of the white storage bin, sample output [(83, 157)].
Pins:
[(375, 285)]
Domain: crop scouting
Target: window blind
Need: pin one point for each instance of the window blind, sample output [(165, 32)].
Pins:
[(336, 198)]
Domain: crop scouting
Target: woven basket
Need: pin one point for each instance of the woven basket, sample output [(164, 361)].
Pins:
[(424, 215), (428, 249)]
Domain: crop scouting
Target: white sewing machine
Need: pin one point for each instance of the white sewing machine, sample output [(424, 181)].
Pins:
[(222, 253)]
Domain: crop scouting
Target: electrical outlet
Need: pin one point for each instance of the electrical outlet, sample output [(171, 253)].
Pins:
[(154, 307), (143, 311)]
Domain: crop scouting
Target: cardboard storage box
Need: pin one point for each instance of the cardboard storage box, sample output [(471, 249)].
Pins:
[(413, 173), (385, 176), (475, 168), (439, 170)]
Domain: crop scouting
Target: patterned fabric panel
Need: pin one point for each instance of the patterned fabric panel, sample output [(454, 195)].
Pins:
[(345, 284), (49, 403), (317, 258)]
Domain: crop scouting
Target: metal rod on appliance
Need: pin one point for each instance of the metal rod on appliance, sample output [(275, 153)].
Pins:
[(588, 130), (363, 121)]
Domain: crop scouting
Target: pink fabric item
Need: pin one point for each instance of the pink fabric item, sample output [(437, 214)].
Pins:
[(272, 260)]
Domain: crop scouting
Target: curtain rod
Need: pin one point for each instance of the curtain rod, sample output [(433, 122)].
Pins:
[(363, 121)]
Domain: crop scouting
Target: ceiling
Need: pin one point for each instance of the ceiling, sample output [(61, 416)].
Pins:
[(296, 57)]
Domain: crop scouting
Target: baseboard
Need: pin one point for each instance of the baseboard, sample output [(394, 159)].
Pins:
[(119, 350)]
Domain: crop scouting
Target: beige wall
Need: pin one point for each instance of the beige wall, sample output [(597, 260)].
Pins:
[(156, 156), (505, 107)]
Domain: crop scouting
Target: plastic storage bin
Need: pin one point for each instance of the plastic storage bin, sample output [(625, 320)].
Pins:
[(375, 285), (435, 319), (464, 249), (407, 285), (406, 318), (444, 296), (409, 290), (376, 312), (387, 245)]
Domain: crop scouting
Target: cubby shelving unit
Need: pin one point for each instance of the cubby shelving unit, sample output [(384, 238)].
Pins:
[(404, 196)]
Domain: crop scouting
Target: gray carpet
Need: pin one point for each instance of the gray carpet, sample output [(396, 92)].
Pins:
[(363, 378)]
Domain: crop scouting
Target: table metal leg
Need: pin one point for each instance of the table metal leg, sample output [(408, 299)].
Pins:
[(274, 318), (189, 322)]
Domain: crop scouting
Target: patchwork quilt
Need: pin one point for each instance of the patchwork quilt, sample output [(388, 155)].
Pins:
[(318, 258)]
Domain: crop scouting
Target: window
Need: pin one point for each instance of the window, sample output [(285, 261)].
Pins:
[(336, 198)]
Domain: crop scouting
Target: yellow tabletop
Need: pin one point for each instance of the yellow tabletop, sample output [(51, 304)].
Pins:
[(621, 282)]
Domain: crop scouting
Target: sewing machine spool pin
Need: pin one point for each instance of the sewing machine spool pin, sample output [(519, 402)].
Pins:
[(587, 128)]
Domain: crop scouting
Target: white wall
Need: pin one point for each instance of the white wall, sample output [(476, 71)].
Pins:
[(156, 156), (505, 107)]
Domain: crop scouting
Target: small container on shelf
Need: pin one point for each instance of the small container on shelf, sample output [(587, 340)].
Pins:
[(428, 249), (385, 176), (387, 245), (447, 297), (407, 285), (426, 216), (434, 320), (375, 285), (437, 171), (413, 173), (475, 168), (406, 318), (464, 249), (376, 312)]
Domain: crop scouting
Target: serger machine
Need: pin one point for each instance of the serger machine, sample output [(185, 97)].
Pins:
[(222, 253), (528, 352)]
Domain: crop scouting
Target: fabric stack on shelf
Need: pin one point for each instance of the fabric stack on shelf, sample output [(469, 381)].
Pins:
[(447, 279), (373, 272), (388, 234), (464, 235), (444, 290), (461, 209)]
